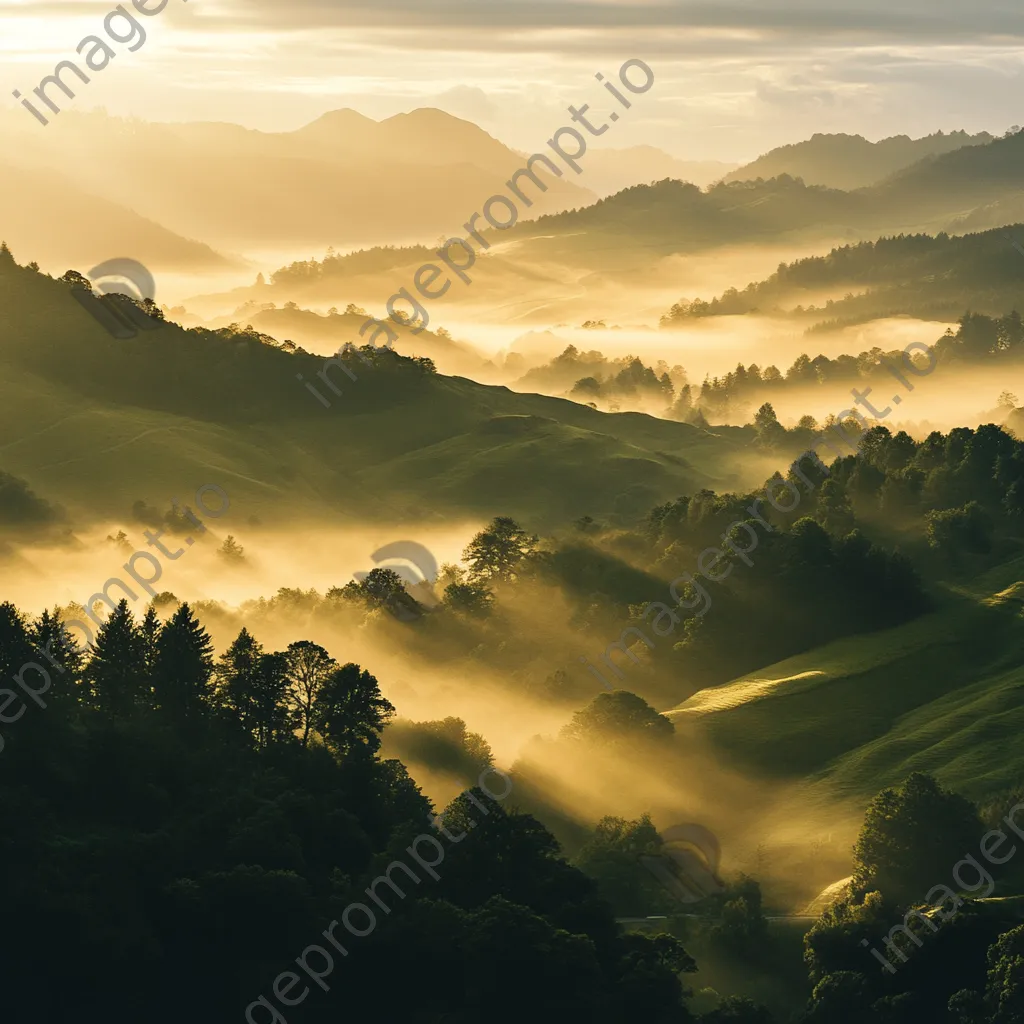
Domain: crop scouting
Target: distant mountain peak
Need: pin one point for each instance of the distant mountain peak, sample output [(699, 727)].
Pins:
[(343, 119)]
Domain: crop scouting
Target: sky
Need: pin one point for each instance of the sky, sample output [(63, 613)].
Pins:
[(732, 79)]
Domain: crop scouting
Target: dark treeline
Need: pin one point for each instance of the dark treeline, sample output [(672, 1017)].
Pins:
[(940, 953), (912, 937), (188, 825), (178, 828), (232, 374), (729, 398)]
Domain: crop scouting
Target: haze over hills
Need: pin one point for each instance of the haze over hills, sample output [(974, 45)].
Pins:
[(390, 595), (611, 170), (625, 240), (64, 225), (342, 180), (91, 423), (326, 334), (931, 277), (851, 161)]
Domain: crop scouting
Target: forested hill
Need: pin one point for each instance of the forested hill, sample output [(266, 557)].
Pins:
[(851, 161), (933, 277), (97, 422), (977, 187)]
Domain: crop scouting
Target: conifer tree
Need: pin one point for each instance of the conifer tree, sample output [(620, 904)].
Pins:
[(253, 687), (15, 645), (183, 666), (115, 670), (58, 654), (149, 631)]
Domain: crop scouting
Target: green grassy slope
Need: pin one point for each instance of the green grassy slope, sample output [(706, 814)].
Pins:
[(96, 423), (941, 694)]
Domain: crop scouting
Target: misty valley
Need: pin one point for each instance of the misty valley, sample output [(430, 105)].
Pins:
[(605, 608)]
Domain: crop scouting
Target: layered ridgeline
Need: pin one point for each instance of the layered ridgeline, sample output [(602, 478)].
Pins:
[(974, 188), (851, 161), (344, 179), (933, 277), (95, 422)]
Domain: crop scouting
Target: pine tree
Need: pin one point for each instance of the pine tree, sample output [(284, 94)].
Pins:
[(183, 667), (15, 646), (231, 551), (115, 673), (150, 633), (253, 687), (59, 654)]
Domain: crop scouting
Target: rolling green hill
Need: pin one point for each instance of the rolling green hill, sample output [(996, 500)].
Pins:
[(95, 423), (942, 694)]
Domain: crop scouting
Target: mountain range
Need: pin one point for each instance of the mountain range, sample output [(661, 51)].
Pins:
[(344, 179)]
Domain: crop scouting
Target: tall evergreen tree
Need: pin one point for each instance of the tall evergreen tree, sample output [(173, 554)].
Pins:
[(58, 654), (183, 666), (253, 687), (115, 670), (15, 644), (149, 631)]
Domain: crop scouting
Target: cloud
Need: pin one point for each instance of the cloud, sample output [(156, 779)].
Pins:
[(505, 24)]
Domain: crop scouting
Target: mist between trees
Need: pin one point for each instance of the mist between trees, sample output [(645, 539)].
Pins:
[(847, 422), (46, 637), (464, 259)]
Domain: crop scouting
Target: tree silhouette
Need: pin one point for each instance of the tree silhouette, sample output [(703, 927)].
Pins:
[(53, 640), (149, 631), (618, 717), (384, 588), (351, 711), (253, 686), (183, 666), (113, 674), (15, 642), (309, 669), (231, 551), (497, 552), (911, 837)]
